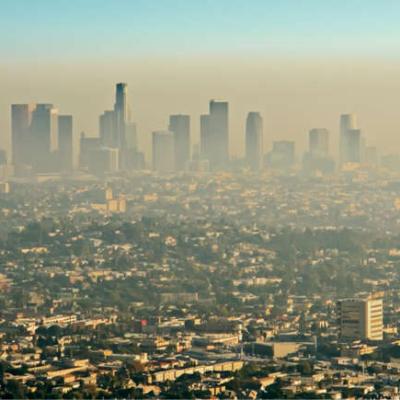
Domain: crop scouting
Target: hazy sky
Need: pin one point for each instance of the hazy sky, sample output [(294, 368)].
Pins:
[(300, 62)]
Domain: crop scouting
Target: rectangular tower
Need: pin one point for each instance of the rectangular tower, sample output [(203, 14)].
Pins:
[(65, 142), (44, 136), (361, 318), (254, 140), (179, 125), (219, 134), (163, 151), (347, 122), (319, 143), (21, 115)]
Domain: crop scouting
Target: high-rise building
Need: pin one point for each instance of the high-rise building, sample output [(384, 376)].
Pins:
[(116, 130), (65, 142), (348, 122), (361, 318), (353, 153), (21, 115), (107, 128), (179, 125), (215, 135), (282, 155), (132, 158), (121, 113), (317, 160), (44, 136), (205, 137), (219, 132), (254, 140), (163, 151), (319, 142), (87, 147), (131, 136)]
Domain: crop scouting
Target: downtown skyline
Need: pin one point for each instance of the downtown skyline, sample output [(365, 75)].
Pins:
[(43, 140), (299, 65)]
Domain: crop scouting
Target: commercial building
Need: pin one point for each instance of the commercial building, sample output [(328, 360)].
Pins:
[(254, 140), (361, 318), (179, 125)]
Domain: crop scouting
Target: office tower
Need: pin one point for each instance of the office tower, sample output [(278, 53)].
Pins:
[(65, 142), (205, 146), (348, 122), (107, 128), (179, 125), (87, 146), (316, 160), (282, 155), (21, 115), (319, 142), (353, 151), (215, 135), (254, 140), (131, 136), (219, 133), (101, 160), (163, 151), (44, 136), (121, 113), (106, 159), (361, 318), (132, 158), (116, 130)]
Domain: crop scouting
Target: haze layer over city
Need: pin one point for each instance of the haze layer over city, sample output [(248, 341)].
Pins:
[(199, 199)]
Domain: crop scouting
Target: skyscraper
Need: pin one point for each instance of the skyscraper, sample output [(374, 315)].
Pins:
[(65, 141), (361, 318), (21, 115), (131, 136), (353, 153), (44, 136), (219, 133), (214, 132), (179, 125), (254, 140), (282, 155), (121, 113), (163, 151), (205, 139), (317, 160), (347, 123), (107, 128), (318, 142)]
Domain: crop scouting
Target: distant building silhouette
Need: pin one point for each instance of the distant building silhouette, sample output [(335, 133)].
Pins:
[(353, 152), (317, 159), (254, 140), (215, 135), (282, 155), (44, 136), (21, 115), (163, 151), (107, 128), (318, 142), (179, 125), (117, 131), (121, 114), (348, 122), (65, 142)]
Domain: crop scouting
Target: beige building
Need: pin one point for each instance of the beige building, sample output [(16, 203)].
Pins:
[(361, 318)]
